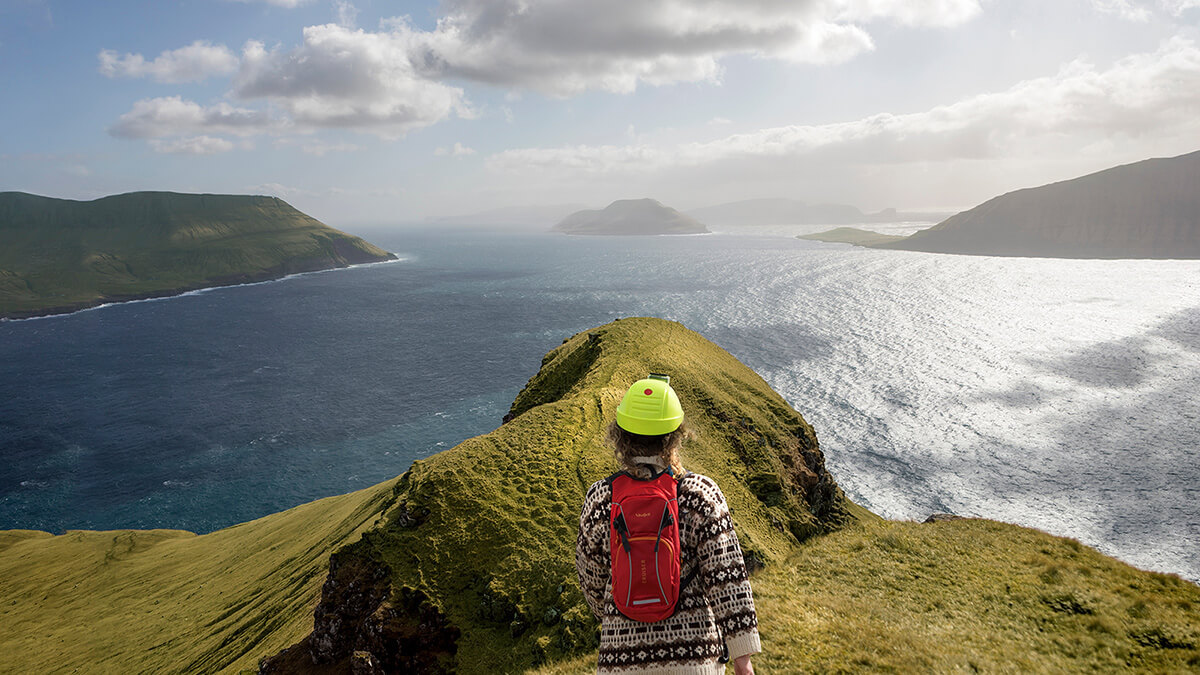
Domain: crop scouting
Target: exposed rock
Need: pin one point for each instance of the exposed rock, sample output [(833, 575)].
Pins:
[(942, 517), (354, 590)]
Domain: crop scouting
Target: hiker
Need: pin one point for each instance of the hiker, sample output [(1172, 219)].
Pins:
[(675, 596)]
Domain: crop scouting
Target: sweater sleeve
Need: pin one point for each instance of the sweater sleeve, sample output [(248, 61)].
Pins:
[(726, 582), (591, 547)]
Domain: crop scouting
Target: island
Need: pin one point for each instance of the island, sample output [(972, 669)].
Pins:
[(631, 217), (1149, 209), (466, 562), (62, 255)]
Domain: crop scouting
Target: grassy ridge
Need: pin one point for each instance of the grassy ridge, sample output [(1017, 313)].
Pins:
[(167, 600), (485, 532), (58, 255)]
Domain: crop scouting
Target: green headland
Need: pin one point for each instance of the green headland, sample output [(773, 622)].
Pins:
[(466, 562), (60, 255)]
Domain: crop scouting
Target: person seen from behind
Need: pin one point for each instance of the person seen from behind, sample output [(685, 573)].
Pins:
[(658, 559)]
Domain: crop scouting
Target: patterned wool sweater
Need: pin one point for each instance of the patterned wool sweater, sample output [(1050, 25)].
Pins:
[(718, 597)]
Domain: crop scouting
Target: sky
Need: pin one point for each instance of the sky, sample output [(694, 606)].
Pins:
[(372, 112)]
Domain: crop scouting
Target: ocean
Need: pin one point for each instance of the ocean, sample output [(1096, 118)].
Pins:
[(1057, 394)]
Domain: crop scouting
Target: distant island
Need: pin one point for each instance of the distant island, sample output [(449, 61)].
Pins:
[(631, 217), (61, 255), (776, 211), (1149, 209)]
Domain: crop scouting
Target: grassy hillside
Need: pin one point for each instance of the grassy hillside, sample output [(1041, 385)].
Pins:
[(145, 601), (481, 542), (58, 255), (466, 562), (964, 596)]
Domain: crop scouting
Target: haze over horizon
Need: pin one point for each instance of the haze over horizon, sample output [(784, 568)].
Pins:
[(365, 112)]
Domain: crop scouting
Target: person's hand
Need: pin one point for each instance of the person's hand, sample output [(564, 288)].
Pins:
[(741, 665)]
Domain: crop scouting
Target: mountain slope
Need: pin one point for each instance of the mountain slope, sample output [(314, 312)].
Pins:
[(631, 217), (150, 601), (59, 255), (1150, 209)]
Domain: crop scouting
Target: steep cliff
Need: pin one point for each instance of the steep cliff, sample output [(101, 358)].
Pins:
[(60, 255)]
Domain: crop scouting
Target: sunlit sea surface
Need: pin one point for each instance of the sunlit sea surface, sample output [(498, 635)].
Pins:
[(1058, 394)]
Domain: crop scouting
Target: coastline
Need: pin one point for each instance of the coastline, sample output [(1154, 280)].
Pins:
[(214, 284)]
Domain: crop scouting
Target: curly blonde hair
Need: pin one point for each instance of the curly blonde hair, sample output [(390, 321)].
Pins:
[(627, 445)]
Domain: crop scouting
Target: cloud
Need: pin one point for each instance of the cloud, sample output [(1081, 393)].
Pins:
[(1152, 94), (197, 61), (194, 145), (344, 78), (568, 46), (315, 147), (347, 13), (174, 116), (459, 150), (391, 81), (1136, 10)]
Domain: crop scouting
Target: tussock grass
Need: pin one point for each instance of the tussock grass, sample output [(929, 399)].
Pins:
[(964, 596), (130, 601)]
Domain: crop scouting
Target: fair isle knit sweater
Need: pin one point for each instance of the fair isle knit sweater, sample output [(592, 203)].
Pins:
[(717, 598)]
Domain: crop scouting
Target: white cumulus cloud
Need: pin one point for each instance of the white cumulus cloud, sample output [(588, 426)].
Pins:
[(193, 145), (174, 116), (1144, 95), (564, 47), (341, 77), (459, 150), (197, 61)]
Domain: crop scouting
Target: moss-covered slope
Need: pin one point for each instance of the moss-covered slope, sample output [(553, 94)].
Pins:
[(481, 542), (168, 601), (59, 255)]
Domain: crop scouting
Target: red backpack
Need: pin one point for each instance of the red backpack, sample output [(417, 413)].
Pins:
[(644, 537)]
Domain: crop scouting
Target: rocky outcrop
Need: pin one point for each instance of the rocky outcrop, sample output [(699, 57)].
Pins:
[(363, 626)]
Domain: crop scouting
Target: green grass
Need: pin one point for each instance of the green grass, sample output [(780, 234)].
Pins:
[(964, 596), (132, 601), (57, 255), (970, 596)]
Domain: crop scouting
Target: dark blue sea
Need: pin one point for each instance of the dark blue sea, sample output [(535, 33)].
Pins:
[(1058, 394)]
